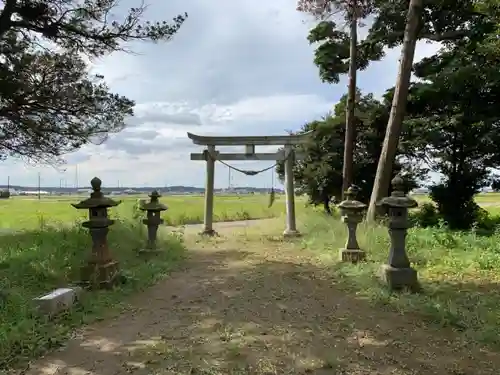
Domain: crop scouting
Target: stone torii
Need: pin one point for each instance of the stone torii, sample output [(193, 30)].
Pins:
[(210, 155)]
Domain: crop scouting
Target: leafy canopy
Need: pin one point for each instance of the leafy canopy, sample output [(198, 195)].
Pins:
[(320, 174), (50, 104), (454, 110)]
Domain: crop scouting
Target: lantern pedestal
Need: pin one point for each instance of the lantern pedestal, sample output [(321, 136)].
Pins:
[(399, 278), (352, 215), (100, 275), (397, 273), (101, 270), (352, 255), (152, 225), (152, 221)]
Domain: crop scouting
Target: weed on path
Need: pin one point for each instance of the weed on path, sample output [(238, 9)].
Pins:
[(247, 302)]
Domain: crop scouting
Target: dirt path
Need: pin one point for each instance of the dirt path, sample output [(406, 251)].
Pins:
[(247, 306), (225, 225)]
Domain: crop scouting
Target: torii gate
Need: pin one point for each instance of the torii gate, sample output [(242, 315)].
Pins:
[(288, 154)]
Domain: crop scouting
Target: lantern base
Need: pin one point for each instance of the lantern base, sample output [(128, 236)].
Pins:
[(291, 233), (352, 255), (399, 278), (100, 275)]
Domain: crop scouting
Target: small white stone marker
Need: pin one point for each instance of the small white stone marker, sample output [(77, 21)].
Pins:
[(57, 301)]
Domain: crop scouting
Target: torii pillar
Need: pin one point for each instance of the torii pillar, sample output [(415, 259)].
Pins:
[(288, 155)]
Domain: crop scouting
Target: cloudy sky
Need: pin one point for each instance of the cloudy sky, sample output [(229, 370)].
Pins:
[(233, 69)]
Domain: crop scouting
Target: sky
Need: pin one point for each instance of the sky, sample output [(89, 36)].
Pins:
[(232, 69)]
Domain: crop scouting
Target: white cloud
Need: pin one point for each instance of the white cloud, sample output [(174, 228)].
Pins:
[(234, 68)]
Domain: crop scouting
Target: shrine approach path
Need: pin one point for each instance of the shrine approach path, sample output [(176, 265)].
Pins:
[(248, 303)]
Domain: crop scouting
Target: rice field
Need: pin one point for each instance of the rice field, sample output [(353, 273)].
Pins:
[(31, 213)]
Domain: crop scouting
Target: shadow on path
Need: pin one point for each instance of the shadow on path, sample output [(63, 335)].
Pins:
[(250, 311)]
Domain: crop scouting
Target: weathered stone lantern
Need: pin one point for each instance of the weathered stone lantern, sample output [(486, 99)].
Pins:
[(398, 273), (153, 220), (352, 214), (102, 270)]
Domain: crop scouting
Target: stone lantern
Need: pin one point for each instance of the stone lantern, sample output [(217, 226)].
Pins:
[(397, 273), (153, 220), (352, 214), (102, 270)]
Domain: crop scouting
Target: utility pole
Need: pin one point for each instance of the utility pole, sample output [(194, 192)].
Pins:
[(8, 183), (76, 177), (39, 189), (229, 179)]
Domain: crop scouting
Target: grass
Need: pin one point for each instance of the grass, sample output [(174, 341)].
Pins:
[(487, 198), (22, 213), (35, 262), (268, 306), (458, 272)]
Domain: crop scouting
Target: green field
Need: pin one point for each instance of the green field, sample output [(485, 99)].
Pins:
[(29, 213), (483, 198), (46, 248)]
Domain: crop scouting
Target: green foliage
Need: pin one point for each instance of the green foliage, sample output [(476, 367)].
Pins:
[(426, 216), (458, 272), (320, 174), (447, 21), (332, 53), (50, 103), (33, 263), (452, 124), (324, 9), (454, 116), (491, 9), (495, 185)]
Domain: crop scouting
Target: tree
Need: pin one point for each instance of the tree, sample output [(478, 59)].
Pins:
[(50, 105), (491, 10), (450, 22), (338, 54), (454, 108), (495, 185), (319, 175), (390, 145)]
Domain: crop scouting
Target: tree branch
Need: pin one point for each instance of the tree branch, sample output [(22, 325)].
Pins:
[(6, 15)]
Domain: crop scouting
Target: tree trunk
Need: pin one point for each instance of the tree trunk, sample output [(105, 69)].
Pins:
[(350, 131), (326, 205), (391, 140)]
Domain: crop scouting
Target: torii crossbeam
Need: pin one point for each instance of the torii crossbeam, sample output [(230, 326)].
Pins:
[(288, 154)]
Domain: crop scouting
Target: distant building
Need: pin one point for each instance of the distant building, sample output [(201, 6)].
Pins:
[(35, 192), (420, 191)]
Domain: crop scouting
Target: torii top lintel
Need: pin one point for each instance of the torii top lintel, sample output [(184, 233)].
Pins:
[(259, 140)]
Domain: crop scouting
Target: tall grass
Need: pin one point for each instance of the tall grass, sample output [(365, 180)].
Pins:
[(459, 272), (35, 262)]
